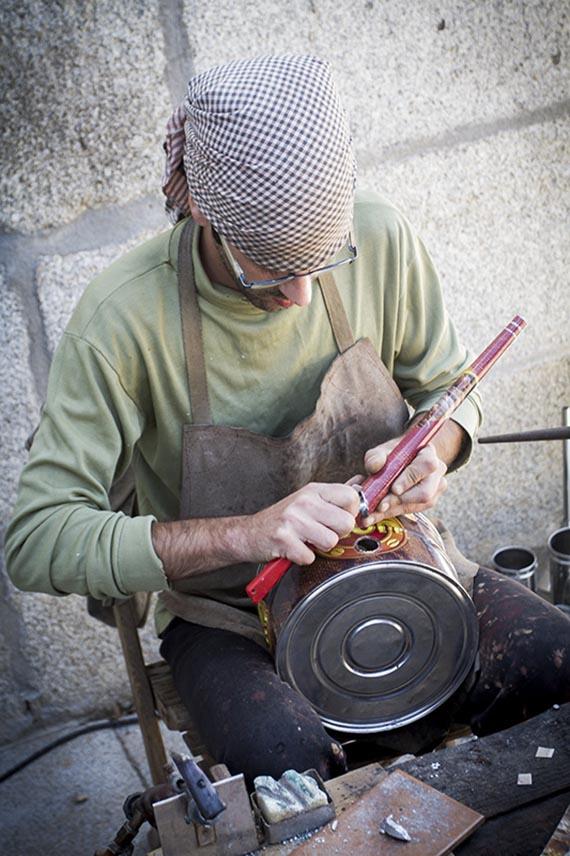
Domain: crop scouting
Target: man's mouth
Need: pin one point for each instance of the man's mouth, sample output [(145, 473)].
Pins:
[(283, 301)]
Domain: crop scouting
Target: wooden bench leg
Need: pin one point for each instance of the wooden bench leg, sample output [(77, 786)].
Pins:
[(142, 693)]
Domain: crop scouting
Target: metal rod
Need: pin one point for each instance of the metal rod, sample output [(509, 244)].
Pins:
[(539, 434), (566, 459)]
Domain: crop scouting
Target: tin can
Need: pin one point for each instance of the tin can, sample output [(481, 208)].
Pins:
[(559, 552), (518, 563)]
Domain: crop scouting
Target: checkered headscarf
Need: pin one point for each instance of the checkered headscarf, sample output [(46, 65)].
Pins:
[(263, 146)]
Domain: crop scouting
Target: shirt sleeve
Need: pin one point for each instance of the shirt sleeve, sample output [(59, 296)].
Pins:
[(64, 537), (429, 355)]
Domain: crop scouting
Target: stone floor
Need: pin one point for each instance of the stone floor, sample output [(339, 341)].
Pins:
[(70, 801)]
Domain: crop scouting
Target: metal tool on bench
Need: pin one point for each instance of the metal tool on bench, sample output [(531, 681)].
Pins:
[(208, 818), (192, 814), (204, 804)]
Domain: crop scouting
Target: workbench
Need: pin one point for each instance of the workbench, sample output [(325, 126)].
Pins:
[(483, 773)]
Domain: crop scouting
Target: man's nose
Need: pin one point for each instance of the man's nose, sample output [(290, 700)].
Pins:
[(298, 290)]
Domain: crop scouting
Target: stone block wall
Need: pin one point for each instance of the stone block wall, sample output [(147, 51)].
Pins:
[(460, 114)]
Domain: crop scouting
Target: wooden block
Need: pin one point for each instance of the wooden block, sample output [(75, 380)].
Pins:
[(435, 822), (520, 832), (346, 789), (483, 774)]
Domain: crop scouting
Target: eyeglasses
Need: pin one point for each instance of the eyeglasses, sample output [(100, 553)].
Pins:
[(260, 284)]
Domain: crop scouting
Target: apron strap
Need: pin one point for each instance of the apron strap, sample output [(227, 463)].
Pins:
[(339, 322), (192, 330)]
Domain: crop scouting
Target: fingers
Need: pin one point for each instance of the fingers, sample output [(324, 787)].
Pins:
[(417, 488), (341, 495), (317, 515), (425, 465), (323, 513), (418, 498), (295, 550), (356, 480), (298, 544), (375, 458)]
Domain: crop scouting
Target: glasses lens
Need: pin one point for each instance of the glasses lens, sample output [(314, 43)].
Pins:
[(272, 283)]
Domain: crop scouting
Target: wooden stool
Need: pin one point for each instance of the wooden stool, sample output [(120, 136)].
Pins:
[(154, 696)]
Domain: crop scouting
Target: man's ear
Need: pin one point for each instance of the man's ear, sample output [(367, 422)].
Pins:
[(197, 215)]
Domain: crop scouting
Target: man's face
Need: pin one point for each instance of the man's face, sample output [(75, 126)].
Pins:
[(293, 292)]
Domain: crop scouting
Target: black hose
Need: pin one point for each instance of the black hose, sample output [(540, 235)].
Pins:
[(84, 729)]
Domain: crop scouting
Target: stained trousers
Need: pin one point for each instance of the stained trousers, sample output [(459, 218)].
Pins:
[(255, 723)]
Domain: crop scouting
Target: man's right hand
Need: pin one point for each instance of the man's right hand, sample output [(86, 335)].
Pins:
[(318, 514)]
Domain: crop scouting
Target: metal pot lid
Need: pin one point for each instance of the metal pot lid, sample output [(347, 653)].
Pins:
[(379, 645)]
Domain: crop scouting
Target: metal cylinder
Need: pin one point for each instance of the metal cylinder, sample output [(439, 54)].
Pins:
[(519, 563), (559, 551), (566, 464)]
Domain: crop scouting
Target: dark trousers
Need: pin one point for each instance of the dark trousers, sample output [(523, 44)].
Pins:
[(256, 724)]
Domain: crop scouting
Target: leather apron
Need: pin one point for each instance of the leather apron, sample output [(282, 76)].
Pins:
[(230, 471)]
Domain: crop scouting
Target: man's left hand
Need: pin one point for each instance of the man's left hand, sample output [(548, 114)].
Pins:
[(420, 485), (417, 488)]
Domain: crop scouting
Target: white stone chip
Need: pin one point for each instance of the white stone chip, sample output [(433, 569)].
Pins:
[(544, 752), (390, 827), (524, 779)]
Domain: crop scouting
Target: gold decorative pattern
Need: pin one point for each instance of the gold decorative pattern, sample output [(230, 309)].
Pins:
[(264, 618), (389, 535)]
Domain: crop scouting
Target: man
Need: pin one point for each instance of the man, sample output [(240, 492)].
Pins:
[(244, 397)]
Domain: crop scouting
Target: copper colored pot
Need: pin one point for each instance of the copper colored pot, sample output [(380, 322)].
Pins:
[(379, 632)]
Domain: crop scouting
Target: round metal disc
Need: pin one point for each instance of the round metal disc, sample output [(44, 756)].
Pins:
[(379, 645)]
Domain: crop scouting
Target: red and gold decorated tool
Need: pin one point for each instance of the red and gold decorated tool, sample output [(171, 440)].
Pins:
[(419, 435), (375, 487)]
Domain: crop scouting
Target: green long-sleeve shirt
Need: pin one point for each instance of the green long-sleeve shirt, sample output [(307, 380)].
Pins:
[(117, 393)]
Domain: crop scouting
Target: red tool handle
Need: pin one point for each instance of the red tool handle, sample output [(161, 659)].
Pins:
[(268, 577)]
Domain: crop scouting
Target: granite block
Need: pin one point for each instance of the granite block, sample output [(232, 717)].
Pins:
[(85, 104)]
